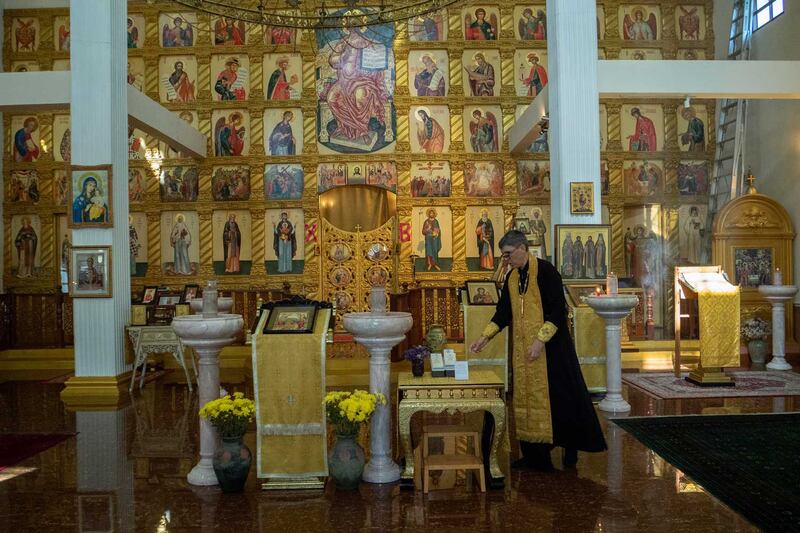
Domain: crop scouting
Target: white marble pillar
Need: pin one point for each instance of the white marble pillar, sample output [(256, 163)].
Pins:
[(381, 468), (778, 296), (613, 401), (574, 133), (99, 123)]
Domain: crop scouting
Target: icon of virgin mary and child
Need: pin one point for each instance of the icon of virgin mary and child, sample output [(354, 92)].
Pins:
[(90, 205)]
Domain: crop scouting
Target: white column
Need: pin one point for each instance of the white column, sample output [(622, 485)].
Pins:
[(778, 335), (574, 133), (381, 468), (613, 401), (99, 115)]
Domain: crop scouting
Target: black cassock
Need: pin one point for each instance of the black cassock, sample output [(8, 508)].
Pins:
[(575, 423)]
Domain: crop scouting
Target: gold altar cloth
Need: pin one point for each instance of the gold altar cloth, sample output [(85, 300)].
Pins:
[(719, 325), (289, 382)]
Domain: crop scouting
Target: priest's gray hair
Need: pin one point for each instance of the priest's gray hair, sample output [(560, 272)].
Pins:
[(514, 238)]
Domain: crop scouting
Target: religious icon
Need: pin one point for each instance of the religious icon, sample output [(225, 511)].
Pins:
[(428, 72), (232, 81), (274, 35), (640, 54), (484, 128), (280, 125), (432, 234), (177, 75), (285, 82), (285, 248), (137, 242), (354, 174), (135, 26), (229, 31), (690, 54), (90, 272), (232, 247), (582, 251), (378, 251), (643, 246), (177, 30), (753, 266), (481, 24), (483, 178), (149, 295), (693, 177), (136, 150), (377, 276), (180, 251), (330, 175), (339, 252), (382, 174), (25, 34), (484, 226), (533, 177), (62, 138), (90, 192), (60, 187), (283, 181), (136, 185), (430, 179), (531, 23), (343, 300), (537, 222), (23, 186), (643, 127), (26, 139), (643, 178), (136, 73), (479, 72), (179, 184), (639, 24), (691, 22), (581, 196), (25, 230), (61, 33), (340, 276), (482, 292), (692, 226), (531, 71), (230, 132), (433, 129), (230, 183), (604, 181), (291, 319), (355, 72), (428, 27), (693, 138)]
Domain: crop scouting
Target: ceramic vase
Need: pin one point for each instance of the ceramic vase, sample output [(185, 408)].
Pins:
[(418, 367), (435, 338), (232, 463), (346, 461), (758, 349)]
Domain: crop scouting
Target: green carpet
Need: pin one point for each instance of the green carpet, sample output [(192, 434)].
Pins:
[(749, 462)]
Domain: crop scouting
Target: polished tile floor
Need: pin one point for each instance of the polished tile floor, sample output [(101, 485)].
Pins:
[(125, 471)]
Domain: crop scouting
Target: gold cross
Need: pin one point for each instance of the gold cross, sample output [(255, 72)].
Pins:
[(291, 400), (751, 189), (358, 228)]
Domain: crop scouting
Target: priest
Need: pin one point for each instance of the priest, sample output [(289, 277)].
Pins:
[(551, 404)]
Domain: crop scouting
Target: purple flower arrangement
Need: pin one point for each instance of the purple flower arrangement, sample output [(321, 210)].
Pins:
[(417, 353)]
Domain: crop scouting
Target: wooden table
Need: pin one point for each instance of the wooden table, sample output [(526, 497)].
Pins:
[(156, 339), (482, 392)]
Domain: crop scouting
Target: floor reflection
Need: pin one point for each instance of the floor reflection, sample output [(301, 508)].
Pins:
[(126, 471)]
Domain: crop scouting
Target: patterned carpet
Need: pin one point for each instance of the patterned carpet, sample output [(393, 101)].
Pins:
[(748, 383), (749, 462)]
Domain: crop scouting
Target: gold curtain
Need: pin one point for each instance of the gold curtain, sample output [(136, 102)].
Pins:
[(357, 205)]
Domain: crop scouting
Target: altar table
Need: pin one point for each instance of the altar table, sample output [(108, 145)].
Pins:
[(482, 392)]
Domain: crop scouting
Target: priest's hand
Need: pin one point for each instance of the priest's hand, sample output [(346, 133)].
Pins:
[(535, 351), (479, 344)]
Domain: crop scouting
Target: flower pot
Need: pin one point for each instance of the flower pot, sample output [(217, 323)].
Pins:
[(232, 463), (346, 461), (758, 349), (435, 338), (418, 367)]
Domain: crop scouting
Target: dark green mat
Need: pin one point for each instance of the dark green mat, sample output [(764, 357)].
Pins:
[(749, 462)]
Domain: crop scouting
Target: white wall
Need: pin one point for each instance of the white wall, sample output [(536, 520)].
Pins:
[(772, 145)]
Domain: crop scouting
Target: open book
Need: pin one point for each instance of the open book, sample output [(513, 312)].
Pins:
[(696, 281)]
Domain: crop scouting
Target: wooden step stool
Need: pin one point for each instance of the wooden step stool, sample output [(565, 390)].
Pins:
[(454, 461)]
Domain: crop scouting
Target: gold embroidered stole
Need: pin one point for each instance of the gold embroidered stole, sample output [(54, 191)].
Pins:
[(719, 326), (531, 389)]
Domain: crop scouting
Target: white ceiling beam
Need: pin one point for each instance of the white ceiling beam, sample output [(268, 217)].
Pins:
[(525, 129)]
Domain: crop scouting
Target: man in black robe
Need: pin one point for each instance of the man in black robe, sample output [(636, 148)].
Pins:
[(551, 403)]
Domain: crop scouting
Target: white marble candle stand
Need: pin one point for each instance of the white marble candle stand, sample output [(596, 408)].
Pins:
[(778, 295), (379, 332), (207, 336), (613, 309), (224, 305)]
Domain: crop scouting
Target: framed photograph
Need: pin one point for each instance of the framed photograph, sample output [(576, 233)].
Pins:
[(291, 319), (90, 197), (90, 272), (169, 298), (581, 198), (582, 252), (482, 293), (149, 294), (190, 292)]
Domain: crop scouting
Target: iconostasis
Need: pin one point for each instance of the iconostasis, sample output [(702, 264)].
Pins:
[(418, 109)]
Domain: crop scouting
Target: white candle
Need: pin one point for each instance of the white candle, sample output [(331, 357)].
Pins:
[(612, 284), (777, 278)]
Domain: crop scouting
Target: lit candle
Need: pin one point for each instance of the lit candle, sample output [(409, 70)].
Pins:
[(777, 278), (597, 291), (612, 284)]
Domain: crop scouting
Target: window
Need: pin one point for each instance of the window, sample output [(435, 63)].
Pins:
[(765, 10)]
